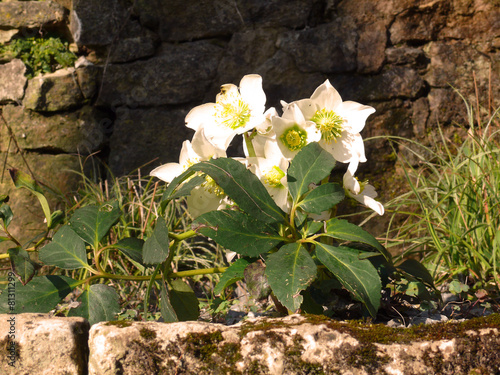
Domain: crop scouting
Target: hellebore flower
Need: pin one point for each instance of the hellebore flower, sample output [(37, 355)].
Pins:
[(191, 153), (235, 111), (338, 122), (271, 170), (293, 132), (361, 191)]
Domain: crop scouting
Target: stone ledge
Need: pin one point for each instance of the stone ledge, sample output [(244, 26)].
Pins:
[(292, 345)]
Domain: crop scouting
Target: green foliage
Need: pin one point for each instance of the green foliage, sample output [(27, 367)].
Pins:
[(40, 54), (451, 212), (111, 248)]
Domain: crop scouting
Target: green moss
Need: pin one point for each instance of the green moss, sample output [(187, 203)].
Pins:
[(119, 323), (147, 334)]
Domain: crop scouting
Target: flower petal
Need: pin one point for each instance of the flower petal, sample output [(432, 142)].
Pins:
[(167, 172), (355, 114), (252, 92)]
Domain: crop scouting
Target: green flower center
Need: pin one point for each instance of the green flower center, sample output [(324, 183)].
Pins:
[(329, 124), (274, 176), (231, 111), (294, 138)]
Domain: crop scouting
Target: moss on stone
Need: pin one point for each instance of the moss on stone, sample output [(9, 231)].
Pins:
[(119, 323)]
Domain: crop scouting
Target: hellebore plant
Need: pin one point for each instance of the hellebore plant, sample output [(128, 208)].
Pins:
[(273, 207)]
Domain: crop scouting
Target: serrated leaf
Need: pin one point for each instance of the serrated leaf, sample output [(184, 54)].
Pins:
[(6, 214), (345, 231), (167, 311), (289, 271), (313, 227), (67, 250), (22, 180), (40, 295), (131, 247), (183, 300), (92, 223), (99, 303), (322, 198), (359, 277), (156, 247), (237, 231), (416, 269), (186, 187), (243, 187), (232, 274), (21, 264), (309, 166)]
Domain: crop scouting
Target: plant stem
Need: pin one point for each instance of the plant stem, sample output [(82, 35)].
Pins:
[(182, 236)]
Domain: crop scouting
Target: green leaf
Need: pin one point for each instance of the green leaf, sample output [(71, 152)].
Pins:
[(131, 247), (358, 276), (167, 311), (416, 269), (289, 271), (237, 231), (92, 223), (309, 166), (21, 264), (67, 250), (345, 231), (322, 198), (6, 214), (40, 295), (156, 247), (99, 303), (233, 273), (186, 187), (313, 227), (22, 180), (3, 198), (243, 187), (184, 301), (56, 218)]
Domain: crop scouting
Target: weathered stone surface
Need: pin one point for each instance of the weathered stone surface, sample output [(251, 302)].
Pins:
[(178, 22), (411, 56), (55, 171), (6, 35), (56, 91), (162, 79), (88, 76), (12, 81), (328, 48), (81, 131), (30, 14), (160, 138), (96, 22), (44, 345), (130, 49), (397, 82), (446, 107), (371, 47), (419, 23), (291, 345)]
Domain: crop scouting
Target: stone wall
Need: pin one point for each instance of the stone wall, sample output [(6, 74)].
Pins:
[(145, 63)]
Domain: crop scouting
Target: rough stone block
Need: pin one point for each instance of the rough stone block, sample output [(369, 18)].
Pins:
[(17, 14), (328, 48), (81, 131), (162, 79), (291, 345), (137, 139), (56, 91), (12, 81), (97, 22), (43, 345), (55, 171)]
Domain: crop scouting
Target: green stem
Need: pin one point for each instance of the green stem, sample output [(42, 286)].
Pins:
[(182, 236), (248, 141)]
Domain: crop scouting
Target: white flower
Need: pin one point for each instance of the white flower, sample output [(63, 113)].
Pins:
[(203, 200), (293, 132), (338, 122), (361, 191), (191, 153), (271, 170), (235, 111)]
